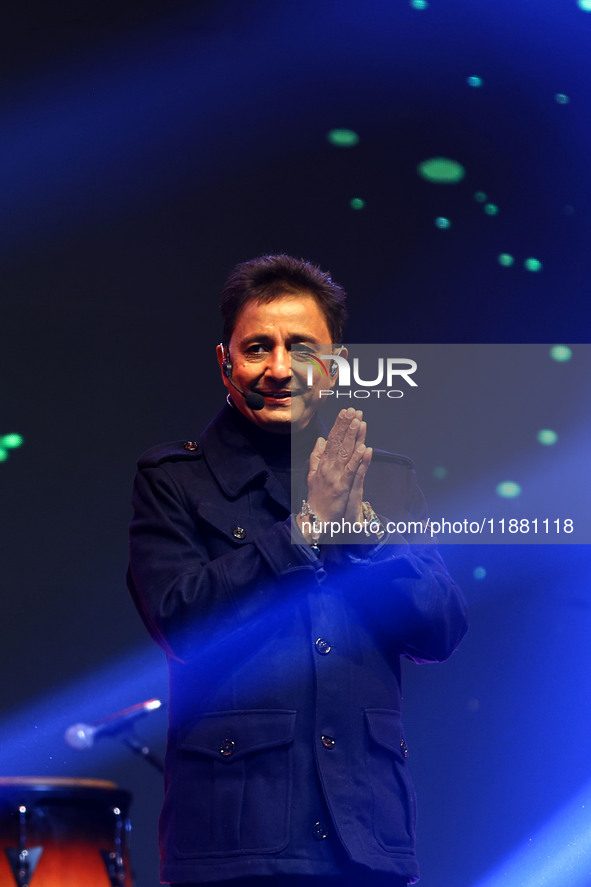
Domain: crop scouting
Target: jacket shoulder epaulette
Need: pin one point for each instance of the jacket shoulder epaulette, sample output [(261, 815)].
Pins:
[(174, 451)]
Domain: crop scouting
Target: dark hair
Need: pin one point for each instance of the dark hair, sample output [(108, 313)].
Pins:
[(268, 277)]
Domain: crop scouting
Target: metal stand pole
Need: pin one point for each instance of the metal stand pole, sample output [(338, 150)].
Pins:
[(141, 749)]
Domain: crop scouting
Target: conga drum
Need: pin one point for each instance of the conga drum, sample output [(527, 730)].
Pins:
[(63, 833)]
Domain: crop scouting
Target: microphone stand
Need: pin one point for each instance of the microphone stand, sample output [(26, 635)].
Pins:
[(140, 748)]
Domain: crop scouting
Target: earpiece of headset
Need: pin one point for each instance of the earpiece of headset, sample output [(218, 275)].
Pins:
[(252, 399), (334, 367)]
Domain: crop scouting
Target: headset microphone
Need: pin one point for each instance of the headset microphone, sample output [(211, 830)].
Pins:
[(252, 400)]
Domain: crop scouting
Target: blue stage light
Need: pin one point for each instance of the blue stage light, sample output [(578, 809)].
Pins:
[(33, 738), (557, 855)]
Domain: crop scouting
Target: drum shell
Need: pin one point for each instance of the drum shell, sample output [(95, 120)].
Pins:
[(82, 826)]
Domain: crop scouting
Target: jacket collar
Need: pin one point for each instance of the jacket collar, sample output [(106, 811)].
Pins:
[(232, 458), (235, 462)]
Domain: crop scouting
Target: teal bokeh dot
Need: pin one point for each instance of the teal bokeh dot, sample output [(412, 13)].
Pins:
[(508, 489), (532, 265), (343, 138), (11, 441), (442, 170), (479, 573), (547, 437), (560, 353)]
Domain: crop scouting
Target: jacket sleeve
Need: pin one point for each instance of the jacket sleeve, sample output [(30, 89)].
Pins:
[(402, 584), (188, 594), (195, 588), (426, 613)]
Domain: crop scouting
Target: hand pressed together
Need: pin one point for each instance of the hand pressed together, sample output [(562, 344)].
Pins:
[(338, 467)]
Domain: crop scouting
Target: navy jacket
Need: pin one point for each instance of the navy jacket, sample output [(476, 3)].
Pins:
[(286, 752)]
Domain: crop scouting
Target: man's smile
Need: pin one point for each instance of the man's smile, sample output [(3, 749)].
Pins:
[(277, 394)]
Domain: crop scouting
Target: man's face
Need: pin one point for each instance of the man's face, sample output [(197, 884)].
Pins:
[(259, 351)]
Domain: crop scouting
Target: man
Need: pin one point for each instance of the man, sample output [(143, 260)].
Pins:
[(286, 758)]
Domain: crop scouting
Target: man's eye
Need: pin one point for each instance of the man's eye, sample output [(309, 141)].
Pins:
[(302, 352), (256, 349)]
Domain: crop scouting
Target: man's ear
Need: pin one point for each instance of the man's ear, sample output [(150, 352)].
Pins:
[(222, 356), (220, 352)]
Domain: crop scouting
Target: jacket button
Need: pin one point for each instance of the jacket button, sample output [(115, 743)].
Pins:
[(319, 831), (227, 748), (328, 741), (404, 748), (239, 533), (191, 445), (322, 646)]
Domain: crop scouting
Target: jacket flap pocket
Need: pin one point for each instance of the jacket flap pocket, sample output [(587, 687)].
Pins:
[(385, 728), (227, 521), (231, 735)]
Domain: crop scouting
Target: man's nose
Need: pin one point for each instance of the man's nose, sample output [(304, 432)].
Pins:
[(279, 364)]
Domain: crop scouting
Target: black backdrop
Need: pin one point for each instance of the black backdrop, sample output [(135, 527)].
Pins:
[(146, 149)]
